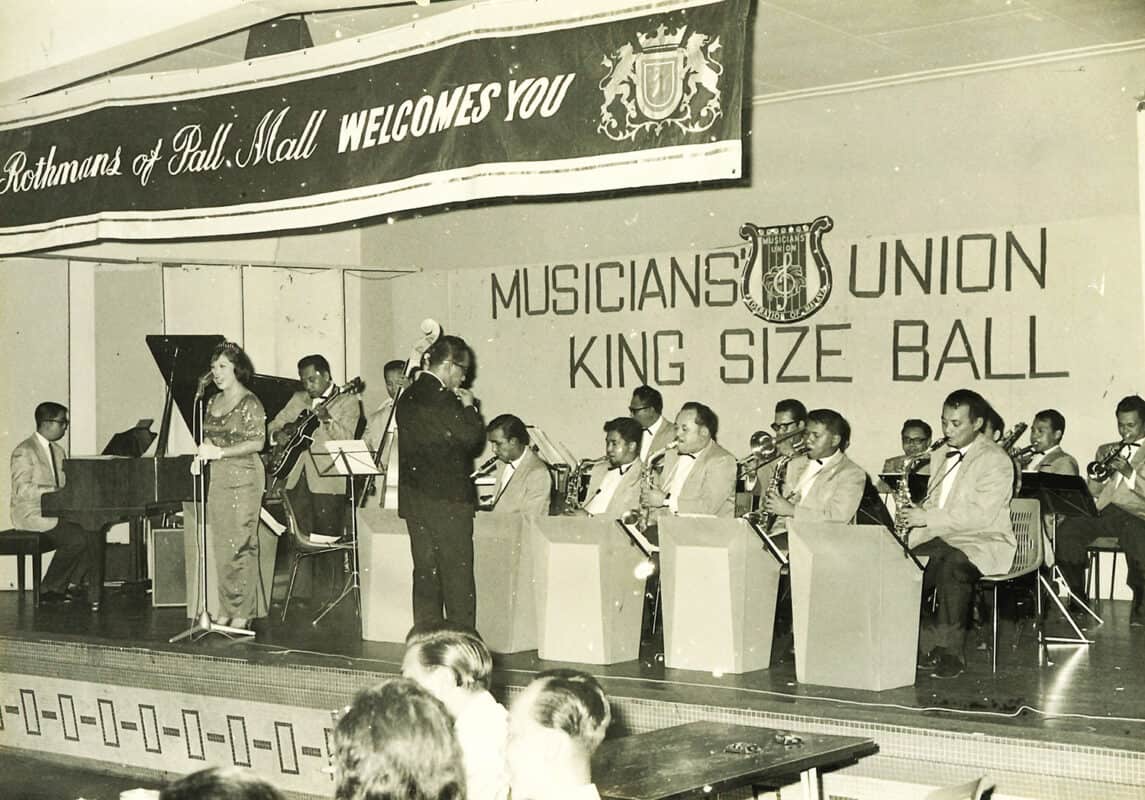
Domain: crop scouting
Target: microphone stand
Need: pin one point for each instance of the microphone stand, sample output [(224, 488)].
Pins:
[(203, 623)]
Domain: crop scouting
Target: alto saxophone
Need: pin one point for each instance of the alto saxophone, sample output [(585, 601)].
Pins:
[(779, 477), (641, 517), (903, 500)]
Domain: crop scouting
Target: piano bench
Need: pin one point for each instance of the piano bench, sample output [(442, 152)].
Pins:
[(14, 542)]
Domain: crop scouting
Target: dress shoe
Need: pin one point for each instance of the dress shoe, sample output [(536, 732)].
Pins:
[(54, 598), (77, 594), (930, 659), (949, 666)]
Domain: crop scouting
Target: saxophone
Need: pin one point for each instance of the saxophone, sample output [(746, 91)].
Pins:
[(903, 500), (576, 482), (778, 478), (641, 517)]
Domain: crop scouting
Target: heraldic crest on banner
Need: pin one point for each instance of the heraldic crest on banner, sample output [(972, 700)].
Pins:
[(779, 284), (664, 80)]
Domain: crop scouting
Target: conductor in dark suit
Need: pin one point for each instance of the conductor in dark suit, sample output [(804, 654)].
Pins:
[(440, 430)]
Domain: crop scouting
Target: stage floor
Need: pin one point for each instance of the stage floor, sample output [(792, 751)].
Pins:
[(1088, 700)]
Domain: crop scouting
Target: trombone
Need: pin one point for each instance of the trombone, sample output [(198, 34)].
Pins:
[(764, 450)]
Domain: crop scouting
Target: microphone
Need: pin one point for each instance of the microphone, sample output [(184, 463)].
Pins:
[(481, 470), (204, 382)]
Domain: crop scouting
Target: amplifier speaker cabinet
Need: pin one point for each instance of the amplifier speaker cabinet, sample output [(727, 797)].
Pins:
[(167, 567)]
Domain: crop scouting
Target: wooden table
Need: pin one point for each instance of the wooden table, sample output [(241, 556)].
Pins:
[(693, 759)]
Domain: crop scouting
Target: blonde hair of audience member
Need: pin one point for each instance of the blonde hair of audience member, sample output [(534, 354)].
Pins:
[(396, 742), (555, 725), (220, 783)]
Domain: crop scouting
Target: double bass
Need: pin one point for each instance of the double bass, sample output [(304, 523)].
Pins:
[(386, 459)]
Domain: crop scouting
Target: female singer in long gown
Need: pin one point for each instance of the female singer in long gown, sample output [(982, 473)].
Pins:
[(234, 430)]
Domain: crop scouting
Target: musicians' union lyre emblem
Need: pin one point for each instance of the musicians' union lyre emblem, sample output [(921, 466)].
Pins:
[(666, 80), (779, 283)]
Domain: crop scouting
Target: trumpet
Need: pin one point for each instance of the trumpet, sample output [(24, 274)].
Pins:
[(1101, 470), (1024, 455), (764, 450)]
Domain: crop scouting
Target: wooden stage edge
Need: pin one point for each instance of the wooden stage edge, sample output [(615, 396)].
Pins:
[(1077, 722)]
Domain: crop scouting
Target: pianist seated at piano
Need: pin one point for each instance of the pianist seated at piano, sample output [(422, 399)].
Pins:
[(37, 469), (614, 483), (234, 430)]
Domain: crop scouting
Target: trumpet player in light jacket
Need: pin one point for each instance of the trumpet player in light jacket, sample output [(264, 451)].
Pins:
[(1117, 477), (614, 483), (699, 475)]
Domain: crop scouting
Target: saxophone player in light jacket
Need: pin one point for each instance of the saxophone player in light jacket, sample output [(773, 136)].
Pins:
[(614, 484), (823, 485), (524, 483), (699, 476), (963, 527)]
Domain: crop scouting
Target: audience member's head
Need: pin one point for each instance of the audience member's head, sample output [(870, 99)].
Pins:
[(555, 725), (220, 783), (451, 662), (396, 742)]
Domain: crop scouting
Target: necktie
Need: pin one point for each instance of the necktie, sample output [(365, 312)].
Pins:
[(55, 470), (818, 461), (952, 452)]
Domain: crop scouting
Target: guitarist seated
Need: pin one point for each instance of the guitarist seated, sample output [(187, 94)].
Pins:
[(319, 501)]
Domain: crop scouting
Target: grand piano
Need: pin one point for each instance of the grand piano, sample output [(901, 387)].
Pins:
[(101, 491)]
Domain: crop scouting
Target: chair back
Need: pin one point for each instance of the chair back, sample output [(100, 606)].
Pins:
[(302, 537), (1026, 520)]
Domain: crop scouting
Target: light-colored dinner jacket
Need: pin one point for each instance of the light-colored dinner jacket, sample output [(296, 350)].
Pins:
[(31, 479), (976, 516), (834, 493), (529, 488), (627, 495), (710, 486)]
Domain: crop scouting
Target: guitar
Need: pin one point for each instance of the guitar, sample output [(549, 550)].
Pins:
[(299, 435), (386, 459)]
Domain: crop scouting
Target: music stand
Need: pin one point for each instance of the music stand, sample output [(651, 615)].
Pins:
[(1069, 496), (349, 458)]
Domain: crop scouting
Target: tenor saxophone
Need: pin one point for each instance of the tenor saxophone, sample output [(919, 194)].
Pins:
[(576, 482)]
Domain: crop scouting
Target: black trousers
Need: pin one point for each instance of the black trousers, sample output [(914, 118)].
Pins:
[(443, 585), (951, 575), (316, 513), (72, 559), (1075, 533)]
